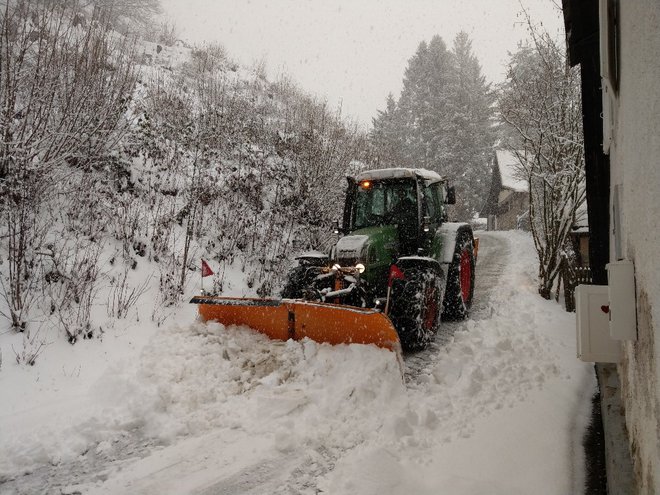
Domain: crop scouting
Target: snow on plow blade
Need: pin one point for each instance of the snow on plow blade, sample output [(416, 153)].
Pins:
[(293, 319)]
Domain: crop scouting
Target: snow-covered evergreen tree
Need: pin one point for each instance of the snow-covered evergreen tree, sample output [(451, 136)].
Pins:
[(423, 105), (386, 136), (442, 120), (470, 125)]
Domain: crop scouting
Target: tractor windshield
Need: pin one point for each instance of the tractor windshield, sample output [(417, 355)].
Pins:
[(385, 202)]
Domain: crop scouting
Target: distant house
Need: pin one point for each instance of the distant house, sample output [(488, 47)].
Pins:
[(579, 236), (575, 269), (507, 206)]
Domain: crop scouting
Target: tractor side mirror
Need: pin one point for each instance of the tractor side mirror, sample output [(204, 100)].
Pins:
[(451, 196)]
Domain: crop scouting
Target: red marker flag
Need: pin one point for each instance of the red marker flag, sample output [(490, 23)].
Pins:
[(395, 273), (206, 269)]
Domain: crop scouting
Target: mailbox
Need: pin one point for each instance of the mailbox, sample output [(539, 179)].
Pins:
[(594, 343)]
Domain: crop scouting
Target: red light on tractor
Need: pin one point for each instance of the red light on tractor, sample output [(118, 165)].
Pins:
[(365, 184)]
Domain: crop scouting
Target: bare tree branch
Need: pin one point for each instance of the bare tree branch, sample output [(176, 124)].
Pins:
[(540, 102)]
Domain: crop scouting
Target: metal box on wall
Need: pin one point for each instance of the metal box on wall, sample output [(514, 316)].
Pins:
[(623, 309), (594, 343)]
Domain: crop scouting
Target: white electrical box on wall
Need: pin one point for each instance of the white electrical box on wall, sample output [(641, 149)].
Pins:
[(623, 308), (594, 344)]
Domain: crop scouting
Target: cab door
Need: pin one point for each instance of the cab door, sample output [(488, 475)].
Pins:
[(432, 219)]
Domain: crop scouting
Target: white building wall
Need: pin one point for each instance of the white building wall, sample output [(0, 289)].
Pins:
[(635, 179)]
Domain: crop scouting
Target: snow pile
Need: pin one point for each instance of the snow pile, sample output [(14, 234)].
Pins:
[(191, 380), (208, 376)]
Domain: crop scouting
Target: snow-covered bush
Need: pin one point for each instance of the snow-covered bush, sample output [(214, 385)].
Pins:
[(64, 87), (249, 168)]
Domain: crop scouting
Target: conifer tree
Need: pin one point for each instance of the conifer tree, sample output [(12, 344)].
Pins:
[(442, 120), (423, 104), (386, 136), (469, 116)]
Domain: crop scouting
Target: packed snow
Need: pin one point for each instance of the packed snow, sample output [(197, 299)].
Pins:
[(192, 407)]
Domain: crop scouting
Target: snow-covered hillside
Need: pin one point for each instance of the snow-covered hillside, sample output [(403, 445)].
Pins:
[(151, 158), (498, 405)]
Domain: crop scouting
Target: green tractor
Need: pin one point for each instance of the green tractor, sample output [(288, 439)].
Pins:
[(397, 253)]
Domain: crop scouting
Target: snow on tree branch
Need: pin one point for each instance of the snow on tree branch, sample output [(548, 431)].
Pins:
[(540, 102)]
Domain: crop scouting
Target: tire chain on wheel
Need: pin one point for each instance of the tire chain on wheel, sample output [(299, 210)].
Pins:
[(454, 307), (408, 306)]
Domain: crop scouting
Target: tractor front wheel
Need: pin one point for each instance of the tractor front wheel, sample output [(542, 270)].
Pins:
[(416, 306)]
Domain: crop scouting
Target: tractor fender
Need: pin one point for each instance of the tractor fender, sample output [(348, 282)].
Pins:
[(449, 232), (421, 262), (312, 258)]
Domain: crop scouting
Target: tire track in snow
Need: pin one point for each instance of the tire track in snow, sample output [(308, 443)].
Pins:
[(492, 259), (91, 466), (266, 476)]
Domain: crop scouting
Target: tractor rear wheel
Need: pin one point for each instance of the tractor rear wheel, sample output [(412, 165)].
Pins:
[(416, 306), (460, 280)]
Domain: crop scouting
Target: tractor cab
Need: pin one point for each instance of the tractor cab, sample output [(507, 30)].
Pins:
[(411, 202)]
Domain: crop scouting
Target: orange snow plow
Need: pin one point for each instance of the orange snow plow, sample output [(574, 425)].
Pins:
[(285, 319)]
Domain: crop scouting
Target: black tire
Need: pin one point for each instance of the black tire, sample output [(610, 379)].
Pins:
[(416, 306), (299, 280), (460, 284)]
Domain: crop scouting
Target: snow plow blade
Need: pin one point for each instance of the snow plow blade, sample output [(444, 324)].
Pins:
[(285, 319)]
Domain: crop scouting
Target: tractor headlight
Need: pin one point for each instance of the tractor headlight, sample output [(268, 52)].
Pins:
[(360, 268), (336, 267)]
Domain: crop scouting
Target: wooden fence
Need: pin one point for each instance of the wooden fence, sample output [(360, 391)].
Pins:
[(572, 276)]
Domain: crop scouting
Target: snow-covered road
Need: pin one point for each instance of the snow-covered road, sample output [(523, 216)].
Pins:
[(497, 405), (492, 258)]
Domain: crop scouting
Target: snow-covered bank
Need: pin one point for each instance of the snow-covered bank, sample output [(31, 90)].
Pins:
[(206, 409)]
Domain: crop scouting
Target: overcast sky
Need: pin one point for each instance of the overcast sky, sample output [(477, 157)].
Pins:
[(354, 52)]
